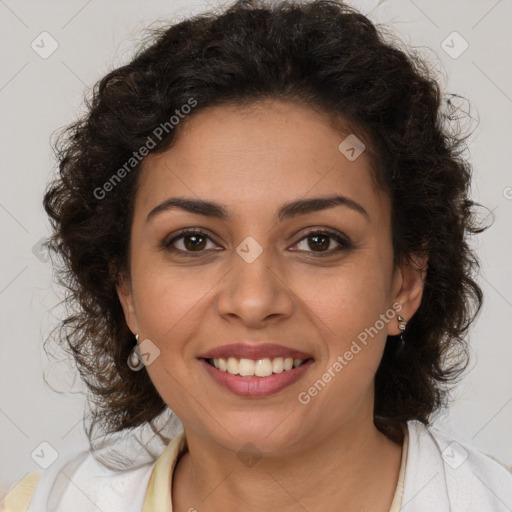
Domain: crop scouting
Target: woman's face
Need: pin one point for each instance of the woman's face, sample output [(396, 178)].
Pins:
[(316, 280)]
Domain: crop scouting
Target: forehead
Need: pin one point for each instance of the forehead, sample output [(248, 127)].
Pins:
[(256, 157)]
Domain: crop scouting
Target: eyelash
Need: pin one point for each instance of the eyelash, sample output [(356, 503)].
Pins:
[(337, 237)]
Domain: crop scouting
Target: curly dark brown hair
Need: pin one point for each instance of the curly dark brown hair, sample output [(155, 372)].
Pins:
[(323, 54)]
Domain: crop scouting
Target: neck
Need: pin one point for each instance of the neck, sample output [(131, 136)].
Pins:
[(357, 467)]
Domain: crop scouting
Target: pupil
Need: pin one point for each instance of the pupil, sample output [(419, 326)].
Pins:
[(195, 244), (324, 245)]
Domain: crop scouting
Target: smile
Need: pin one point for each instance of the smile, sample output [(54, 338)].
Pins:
[(256, 378)]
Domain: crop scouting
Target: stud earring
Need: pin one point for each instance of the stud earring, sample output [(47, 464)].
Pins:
[(402, 325)]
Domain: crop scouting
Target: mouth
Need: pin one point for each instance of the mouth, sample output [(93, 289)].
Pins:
[(255, 378), (255, 370)]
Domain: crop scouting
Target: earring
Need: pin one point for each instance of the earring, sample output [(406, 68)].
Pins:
[(134, 362), (402, 324)]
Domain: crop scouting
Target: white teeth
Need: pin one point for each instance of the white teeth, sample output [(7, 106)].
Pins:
[(277, 365), (246, 367), (232, 365), (261, 367)]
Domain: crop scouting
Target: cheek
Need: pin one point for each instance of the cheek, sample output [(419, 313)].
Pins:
[(348, 312), (167, 295), (172, 309), (348, 306), (347, 298)]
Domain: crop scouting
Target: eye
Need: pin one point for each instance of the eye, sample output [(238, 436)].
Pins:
[(188, 241), (320, 241)]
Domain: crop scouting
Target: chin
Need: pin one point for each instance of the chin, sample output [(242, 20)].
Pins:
[(263, 433)]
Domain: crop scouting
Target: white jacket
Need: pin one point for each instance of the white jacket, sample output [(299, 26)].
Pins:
[(441, 475)]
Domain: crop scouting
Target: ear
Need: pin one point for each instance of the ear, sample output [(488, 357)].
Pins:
[(408, 284), (125, 294)]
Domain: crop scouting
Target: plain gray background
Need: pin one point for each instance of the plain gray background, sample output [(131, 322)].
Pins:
[(39, 95)]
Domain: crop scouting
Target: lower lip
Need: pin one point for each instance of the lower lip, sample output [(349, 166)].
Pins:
[(256, 386)]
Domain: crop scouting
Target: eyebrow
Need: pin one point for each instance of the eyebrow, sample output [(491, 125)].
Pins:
[(287, 210)]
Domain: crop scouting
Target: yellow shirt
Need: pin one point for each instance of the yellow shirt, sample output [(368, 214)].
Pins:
[(159, 491)]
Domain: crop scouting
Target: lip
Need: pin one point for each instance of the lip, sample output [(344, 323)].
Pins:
[(256, 386), (254, 351)]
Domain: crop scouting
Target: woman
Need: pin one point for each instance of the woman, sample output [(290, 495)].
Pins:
[(263, 218)]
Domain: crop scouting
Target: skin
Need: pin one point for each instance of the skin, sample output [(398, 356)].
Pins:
[(253, 160)]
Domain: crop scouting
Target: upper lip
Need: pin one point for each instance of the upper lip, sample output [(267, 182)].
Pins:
[(251, 351)]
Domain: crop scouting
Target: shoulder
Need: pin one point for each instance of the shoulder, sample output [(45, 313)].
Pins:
[(446, 474), (80, 482), (113, 474)]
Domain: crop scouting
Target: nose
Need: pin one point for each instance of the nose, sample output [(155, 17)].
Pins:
[(255, 291)]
